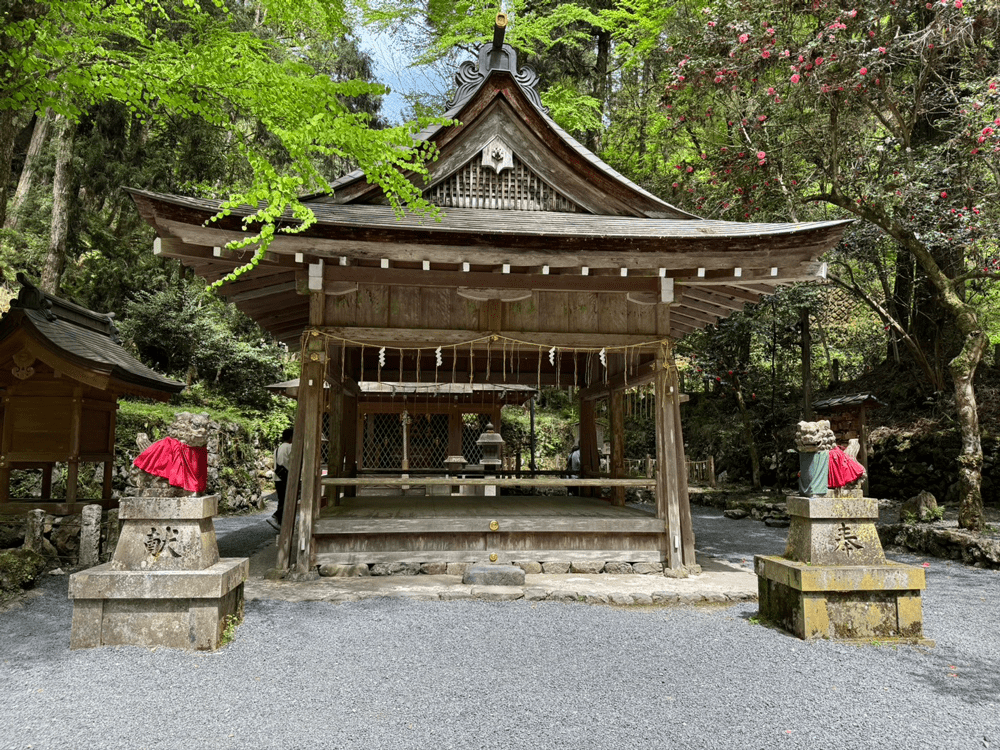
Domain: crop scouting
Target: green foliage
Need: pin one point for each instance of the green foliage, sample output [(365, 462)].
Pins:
[(234, 72), (185, 332), (555, 414), (229, 631), (154, 418), (575, 111)]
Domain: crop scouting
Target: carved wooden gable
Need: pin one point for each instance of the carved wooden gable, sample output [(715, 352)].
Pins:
[(497, 178)]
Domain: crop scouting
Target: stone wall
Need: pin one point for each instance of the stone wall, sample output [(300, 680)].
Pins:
[(57, 538), (948, 543), (239, 469), (900, 465)]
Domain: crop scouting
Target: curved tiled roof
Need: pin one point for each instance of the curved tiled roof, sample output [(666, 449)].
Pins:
[(88, 338)]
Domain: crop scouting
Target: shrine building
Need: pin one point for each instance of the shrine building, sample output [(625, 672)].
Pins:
[(546, 268)]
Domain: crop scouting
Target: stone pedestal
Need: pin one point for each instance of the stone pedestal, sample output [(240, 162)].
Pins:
[(834, 581), (165, 585)]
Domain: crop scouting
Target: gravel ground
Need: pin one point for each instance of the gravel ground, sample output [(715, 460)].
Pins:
[(393, 673)]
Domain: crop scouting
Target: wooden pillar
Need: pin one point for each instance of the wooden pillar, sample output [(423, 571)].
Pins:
[(667, 469), (618, 444), (367, 438), (5, 446), (311, 387), (73, 463), (455, 432), (336, 445), (683, 500), (109, 466), (350, 442), (589, 456), (47, 470)]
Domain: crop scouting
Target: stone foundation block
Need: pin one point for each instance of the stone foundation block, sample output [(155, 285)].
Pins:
[(842, 602), (531, 568), (647, 568), (494, 575), (182, 609), (618, 568)]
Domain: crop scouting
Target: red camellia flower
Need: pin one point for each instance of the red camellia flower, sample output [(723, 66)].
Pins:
[(795, 78), (863, 71), (761, 154), (944, 194)]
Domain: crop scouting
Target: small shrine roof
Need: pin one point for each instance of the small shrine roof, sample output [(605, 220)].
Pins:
[(87, 338), (840, 402)]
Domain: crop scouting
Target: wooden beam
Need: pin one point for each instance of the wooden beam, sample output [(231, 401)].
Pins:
[(403, 338), (712, 297), (460, 245), (390, 481), (264, 291), (691, 316), (643, 374), (173, 247), (733, 292), (479, 280)]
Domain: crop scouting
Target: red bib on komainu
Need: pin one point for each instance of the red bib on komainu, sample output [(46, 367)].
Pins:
[(843, 468), (180, 464)]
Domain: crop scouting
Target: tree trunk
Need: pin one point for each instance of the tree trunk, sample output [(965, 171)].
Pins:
[(55, 258), (7, 128), (748, 434), (807, 411), (970, 460), (38, 136)]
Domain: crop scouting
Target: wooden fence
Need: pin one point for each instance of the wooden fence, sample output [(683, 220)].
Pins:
[(699, 472)]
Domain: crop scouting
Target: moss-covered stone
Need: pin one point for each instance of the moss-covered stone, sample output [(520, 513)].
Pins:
[(19, 569)]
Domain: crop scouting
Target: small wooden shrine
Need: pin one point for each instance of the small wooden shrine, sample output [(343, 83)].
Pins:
[(848, 417), (62, 371), (546, 268)]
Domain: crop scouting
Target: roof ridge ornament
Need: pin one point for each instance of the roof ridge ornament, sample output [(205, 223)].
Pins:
[(497, 155), (495, 55)]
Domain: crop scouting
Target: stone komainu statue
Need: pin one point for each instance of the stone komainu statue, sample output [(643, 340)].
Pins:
[(177, 465)]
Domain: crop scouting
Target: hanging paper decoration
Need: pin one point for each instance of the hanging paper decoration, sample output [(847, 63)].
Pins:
[(438, 357), (603, 354), (552, 356), (381, 357)]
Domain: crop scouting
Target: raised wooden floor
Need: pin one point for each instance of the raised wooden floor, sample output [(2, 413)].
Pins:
[(473, 529)]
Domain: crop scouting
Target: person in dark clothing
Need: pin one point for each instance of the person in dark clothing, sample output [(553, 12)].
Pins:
[(282, 458)]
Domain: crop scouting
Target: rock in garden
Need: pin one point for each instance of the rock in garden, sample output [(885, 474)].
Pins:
[(586, 566), (736, 513), (920, 506)]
